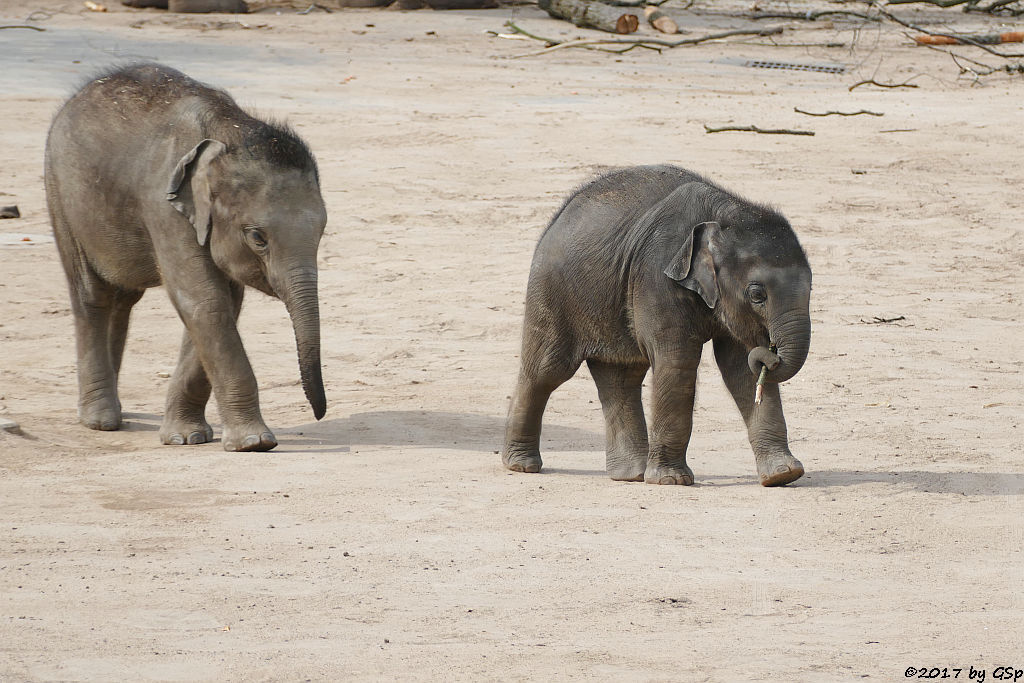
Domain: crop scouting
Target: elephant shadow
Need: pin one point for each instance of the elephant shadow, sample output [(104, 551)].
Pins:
[(430, 429), (484, 433), (923, 481)]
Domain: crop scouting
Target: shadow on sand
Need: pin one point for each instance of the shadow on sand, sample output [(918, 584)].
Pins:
[(965, 483), (483, 434)]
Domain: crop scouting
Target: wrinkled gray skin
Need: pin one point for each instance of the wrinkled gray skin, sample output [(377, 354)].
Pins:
[(636, 272), (153, 178)]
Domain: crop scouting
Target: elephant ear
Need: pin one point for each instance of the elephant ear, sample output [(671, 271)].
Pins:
[(189, 189), (693, 266)]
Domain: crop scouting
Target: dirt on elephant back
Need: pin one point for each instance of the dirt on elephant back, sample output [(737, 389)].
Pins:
[(386, 541)]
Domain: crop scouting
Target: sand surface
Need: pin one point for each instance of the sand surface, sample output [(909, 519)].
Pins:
[(386, 541)]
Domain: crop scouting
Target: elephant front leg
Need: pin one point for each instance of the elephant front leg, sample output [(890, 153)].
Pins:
[(213, 357), (619, 388), (674, 389), (766, 425), (187, 396)]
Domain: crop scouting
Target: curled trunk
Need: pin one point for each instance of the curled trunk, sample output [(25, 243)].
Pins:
[(792, 337)]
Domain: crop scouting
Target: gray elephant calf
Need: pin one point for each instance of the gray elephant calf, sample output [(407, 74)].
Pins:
[(153, 178), (637, 271)]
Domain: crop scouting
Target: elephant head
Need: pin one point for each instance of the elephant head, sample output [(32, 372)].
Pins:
[(262, 216), (751, 271)]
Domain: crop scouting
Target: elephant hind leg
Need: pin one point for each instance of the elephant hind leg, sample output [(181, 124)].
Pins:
[(101, 313), (117, 328), (546, 365), (619, 388)]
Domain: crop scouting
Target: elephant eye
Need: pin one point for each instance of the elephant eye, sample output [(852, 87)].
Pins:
[(256, 237), (756, 293)]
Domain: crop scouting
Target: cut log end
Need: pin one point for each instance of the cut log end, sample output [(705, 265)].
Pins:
[(660, 20), (626, 24)]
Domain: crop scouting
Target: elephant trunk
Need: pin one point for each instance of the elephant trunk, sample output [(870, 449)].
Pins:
[(299, 294), (792, 336)]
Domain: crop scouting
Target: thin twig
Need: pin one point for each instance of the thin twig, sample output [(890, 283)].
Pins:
[(755, 129), (872, 81), (838, 113), (651, 43), (877, 320), (517, 29), (313, 7), (34, 28)]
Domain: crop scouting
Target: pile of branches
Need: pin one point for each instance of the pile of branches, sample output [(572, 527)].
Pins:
[(1012, 8)]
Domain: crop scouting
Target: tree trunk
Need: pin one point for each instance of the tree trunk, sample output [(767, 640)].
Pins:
[(591, 14)]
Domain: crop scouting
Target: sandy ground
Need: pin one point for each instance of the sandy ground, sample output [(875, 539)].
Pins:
[(386, 542)]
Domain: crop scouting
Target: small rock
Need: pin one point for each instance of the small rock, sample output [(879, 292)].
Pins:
[(9, 212), (9, 426)]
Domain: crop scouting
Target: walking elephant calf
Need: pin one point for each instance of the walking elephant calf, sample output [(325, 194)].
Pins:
[(636, 272), (153, 178)]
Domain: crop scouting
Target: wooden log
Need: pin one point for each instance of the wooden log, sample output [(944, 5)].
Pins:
[(660, 20), (207, 6), (986, 39), (592, 14)]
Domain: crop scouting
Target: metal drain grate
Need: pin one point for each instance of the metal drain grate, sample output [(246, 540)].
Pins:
[(820, 68)]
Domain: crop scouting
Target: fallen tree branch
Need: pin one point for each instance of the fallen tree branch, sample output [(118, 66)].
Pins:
[(838, 113), (872, 81), (994, 7), (798, 16), (755, 129), (650, 43), (34, 28)]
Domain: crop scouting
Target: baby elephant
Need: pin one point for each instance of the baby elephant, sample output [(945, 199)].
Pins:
[(153, 178), (637, 271)]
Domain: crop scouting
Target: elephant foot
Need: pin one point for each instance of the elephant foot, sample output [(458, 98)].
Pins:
[(104, 416), (778, 469), (251, 438), (666, 475), (185, 433), (522, 460), (627, 470)]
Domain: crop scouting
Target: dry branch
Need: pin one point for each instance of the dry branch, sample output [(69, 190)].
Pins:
[(838, 113), (34, 28), (755, 129), (872, 81), (994, 7), (630, 43)]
